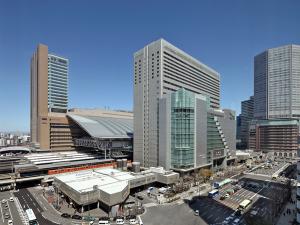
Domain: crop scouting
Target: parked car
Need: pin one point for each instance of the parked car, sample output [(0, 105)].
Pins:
[(196, 212), (65, 215), (10, 222), (104, 221), (76, 217), (140, 197), (11, 199), (120, 221), (132, 221), (3, 201), (236, 221), (6, 216)]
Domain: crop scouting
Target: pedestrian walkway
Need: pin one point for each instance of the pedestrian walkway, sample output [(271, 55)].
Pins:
[(49, 212), (285, 217), (150, 204)]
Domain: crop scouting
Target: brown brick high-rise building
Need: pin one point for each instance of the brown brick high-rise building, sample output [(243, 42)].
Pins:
[(279, 136), (49, 126)]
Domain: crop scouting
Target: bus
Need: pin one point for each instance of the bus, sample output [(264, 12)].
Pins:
[(31, 217), (213, 193), (222, 183), (244, 204), (274, 176)]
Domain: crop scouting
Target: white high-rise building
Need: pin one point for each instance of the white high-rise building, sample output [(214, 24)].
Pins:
[(160, 68)]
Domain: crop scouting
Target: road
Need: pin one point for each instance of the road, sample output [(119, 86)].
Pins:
[(28, 201)]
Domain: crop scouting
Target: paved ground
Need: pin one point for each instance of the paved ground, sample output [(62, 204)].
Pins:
[(11, 209), (286, 218), (175, 214)]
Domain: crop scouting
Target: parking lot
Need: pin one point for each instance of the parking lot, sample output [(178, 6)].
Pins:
[(8, 209), (212, 211), (235, 199)]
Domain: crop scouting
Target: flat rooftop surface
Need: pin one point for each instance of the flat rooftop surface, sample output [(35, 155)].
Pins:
[(56, 157), (108, 180)]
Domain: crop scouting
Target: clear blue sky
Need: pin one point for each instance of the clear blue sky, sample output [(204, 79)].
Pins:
[(100, 37)]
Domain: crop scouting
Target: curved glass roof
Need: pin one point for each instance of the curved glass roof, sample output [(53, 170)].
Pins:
[(104, 127)]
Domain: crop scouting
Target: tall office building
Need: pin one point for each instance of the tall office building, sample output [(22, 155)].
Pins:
[(49, 93), (245, 119), (161, 68), (277, 83)]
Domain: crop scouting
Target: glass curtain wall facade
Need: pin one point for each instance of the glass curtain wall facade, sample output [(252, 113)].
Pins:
[(57, 83), (182, 129)]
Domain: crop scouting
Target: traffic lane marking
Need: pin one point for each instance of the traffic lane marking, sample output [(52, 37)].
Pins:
[(10, 211), (2, 212)]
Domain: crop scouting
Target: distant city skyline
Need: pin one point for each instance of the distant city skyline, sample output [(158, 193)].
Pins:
[(100, 45)]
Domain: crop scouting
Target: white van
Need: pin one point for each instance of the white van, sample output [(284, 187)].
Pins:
[(103, 222)]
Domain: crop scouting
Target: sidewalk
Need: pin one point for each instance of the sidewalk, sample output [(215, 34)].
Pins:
[(289, 218), (48, 211)]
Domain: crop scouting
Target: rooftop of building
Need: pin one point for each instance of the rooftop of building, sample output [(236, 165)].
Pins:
[(185, 55), (15, 149), (101, 112), (105, 126), (107, 179), (40, 161), (111, 180)]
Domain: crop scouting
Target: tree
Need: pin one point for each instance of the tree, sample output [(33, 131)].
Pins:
[(206, 174)]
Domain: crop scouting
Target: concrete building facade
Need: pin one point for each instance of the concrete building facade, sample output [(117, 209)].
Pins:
[(277, 83), (161, 68), (108, 187)]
